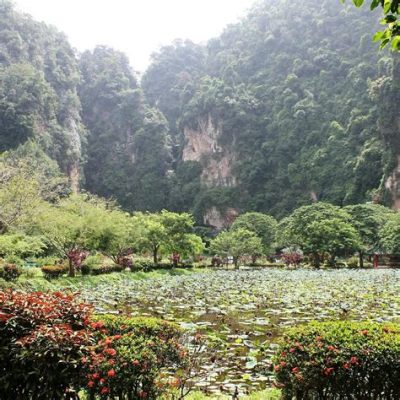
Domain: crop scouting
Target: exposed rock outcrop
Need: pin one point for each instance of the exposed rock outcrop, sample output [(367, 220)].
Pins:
[(202, 146), (219, 219)]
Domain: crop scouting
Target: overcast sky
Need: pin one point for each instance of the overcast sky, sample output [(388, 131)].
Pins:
[(137, 27)]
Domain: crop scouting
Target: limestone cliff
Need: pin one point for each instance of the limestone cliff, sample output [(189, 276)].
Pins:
[(202, 145)]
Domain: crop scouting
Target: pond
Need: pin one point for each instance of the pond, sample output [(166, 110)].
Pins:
[(246, 311)]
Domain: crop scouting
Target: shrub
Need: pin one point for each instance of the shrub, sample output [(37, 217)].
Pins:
[(129, 356), (51, 345), (125, 262), (106, 269), (186, 265), (368, 264), (13, 259), (142, 265), (292, 256), (340, 360), (92, 262), (41, 333), (10, 272), (115, 324), (271, 265), (352, 262), (53, 271), (50, 260)]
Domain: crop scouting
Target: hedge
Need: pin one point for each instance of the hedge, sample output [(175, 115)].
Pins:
[(340, 360)]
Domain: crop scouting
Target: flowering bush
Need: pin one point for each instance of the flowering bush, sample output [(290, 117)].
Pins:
[(43, 337), (340, 360), (50, 345), (129, 357)]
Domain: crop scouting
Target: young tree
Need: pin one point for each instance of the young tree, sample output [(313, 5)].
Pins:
[(368, 219), (116, 234), (169, 232), (153, 233), (72, 225), (319, 229), (236, 243), (19, 201), (263, 225)]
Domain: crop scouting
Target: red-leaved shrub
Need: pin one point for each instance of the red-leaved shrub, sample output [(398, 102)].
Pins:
[(43, 337)]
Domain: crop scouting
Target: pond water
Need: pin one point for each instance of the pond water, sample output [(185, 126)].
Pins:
[(246, 311)]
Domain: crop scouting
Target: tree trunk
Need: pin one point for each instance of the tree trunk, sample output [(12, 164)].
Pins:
[(317, 260), (71, 268), (236, 262), (361, 259), (155, 251)]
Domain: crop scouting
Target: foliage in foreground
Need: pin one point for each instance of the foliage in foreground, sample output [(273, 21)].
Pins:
[(391, 12), (51, 346), (343, 359)]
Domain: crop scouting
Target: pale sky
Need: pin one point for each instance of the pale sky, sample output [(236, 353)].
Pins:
[(136, 27)]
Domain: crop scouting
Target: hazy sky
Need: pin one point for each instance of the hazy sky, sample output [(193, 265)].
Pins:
[(137, 27)]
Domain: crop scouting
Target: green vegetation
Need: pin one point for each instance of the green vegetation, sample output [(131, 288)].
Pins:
[(391, 12), (289, 147), (117, 357), (286, 120), (242, 315), (335, 359), (237, 243)]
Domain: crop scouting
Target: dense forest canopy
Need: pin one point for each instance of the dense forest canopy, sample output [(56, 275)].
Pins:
[(292, 104)]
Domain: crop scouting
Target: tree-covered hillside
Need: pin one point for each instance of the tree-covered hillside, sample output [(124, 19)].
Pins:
[(128, 152), (292, 104), (38, 90), (291, 94)]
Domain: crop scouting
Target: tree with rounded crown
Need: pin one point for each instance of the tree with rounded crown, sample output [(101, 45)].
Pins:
[(263, 225), (320, 230), (236, 243)]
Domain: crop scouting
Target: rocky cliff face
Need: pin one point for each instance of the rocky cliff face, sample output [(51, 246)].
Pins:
[(202, 146), (220, 219)]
